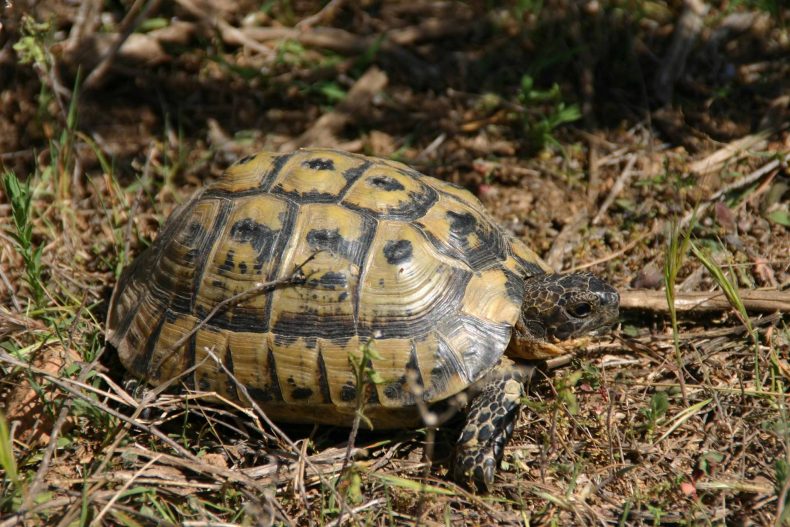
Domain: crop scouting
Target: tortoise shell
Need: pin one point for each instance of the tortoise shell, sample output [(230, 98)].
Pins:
[(410, 263)]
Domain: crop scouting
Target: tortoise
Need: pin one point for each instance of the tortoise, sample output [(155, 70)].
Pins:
[(326, 252)]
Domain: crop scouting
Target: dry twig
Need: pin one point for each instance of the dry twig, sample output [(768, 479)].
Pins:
[(134, 17), (687, 28), (759, 300)]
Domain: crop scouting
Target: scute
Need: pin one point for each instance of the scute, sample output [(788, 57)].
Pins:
[(322, 177), (412, 266), (246, 174), (387, 193)]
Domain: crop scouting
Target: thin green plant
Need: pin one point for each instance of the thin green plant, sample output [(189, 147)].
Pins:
[(540, 129), (677, 250), (730, 290), (21, 196), (654, 413), (365, 377), (11, 484), (62, 150)]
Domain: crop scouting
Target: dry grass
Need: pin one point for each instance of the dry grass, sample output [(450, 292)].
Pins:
[(114, 115)]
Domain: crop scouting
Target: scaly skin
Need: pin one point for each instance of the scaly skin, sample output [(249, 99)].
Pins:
[(556, 307)]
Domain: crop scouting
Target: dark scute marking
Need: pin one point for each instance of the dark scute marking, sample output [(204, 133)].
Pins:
[(331, 240), (142, 362), (123, 284), (170, 288), (325, 239), (260, 236), (190, 256), (373, 394), (348, 392), (171, 316), (461, 223), (229, 365), (514, 286), (243, 267), (247, 319), (227, 265), (414, 206), (275, 390), (192, 234), (323, 379), (189, 361), (489, 251), (330, 280), (530, 268), (276, 167), (290, 326), (370, 226), (385, 183), (394, 390), (453, 185), (342, 296), (319, 164), (353, 173), (397, 251), (285, 340), (446, 366), (413, 366), (244, 160), (301, 393), (287, 220), (263, 395), (208, 241), (229, 360), (311, 196), (204, 385), (399, 390)]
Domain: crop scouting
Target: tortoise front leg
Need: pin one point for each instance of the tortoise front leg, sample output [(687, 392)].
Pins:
[(489, 423)]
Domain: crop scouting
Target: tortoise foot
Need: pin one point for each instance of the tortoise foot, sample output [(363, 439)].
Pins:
[(487, 430)]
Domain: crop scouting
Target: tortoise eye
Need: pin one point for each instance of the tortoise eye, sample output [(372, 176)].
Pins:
[(580, 310)]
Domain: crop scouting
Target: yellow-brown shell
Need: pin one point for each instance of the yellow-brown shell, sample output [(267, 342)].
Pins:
[(405, 261)]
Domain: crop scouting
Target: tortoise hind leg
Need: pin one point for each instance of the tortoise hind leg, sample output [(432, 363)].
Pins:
[(489, 424)]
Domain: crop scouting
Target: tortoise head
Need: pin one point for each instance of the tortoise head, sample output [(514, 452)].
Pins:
[(562, 307)]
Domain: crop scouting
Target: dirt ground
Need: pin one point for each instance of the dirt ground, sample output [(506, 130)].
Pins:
[(647, 142)]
